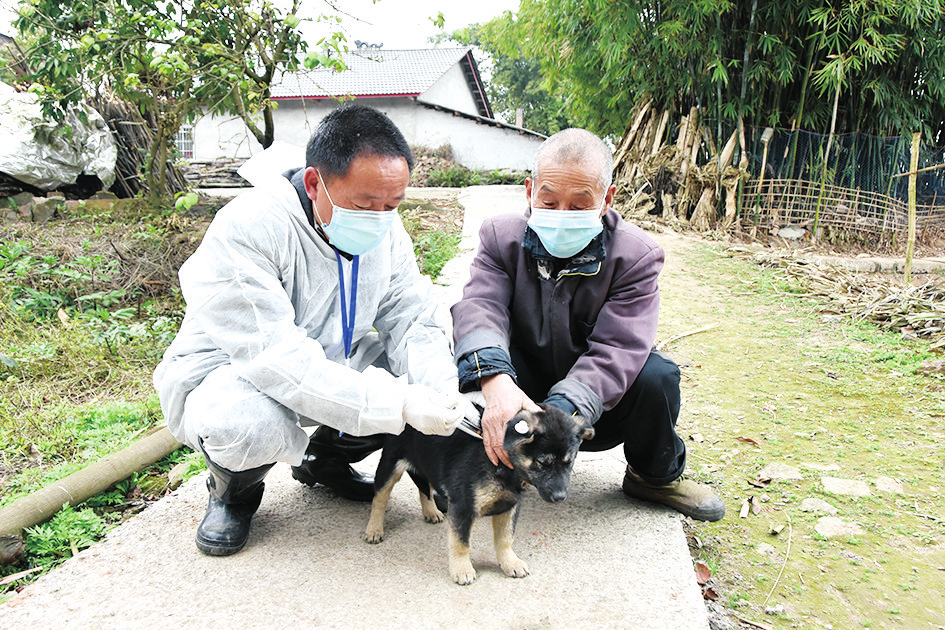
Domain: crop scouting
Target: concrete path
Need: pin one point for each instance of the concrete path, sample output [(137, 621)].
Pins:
[(600, 560)]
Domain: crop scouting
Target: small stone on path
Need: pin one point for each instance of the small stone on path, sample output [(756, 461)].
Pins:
[(890, 485), (777, 470), (767, 551), (817, 505), (833, 527), (848, 487), (931, 367)]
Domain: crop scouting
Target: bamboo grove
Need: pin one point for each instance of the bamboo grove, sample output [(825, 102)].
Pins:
[(781, 64)]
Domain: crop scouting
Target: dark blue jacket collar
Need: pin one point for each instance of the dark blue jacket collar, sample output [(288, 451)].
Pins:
[(586, 262)]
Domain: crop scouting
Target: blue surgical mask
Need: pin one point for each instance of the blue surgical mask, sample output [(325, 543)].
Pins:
[(564, 233), (355, 232)]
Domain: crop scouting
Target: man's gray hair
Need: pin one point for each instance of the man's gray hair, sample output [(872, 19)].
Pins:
[(579, 147)]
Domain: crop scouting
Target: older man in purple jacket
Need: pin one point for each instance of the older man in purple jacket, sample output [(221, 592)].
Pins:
[(562, 307)]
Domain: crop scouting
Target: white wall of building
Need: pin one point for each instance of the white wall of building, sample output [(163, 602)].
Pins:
[(451, 90), (474, 144)]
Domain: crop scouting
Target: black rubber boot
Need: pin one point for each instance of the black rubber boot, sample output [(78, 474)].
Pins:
[(234, 498), (328, 458)]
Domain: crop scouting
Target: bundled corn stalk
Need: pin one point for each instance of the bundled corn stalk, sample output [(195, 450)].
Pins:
[(916, 310), (655, 177)]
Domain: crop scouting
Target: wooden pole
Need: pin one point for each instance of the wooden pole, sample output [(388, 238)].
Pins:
[(77, 487), (910, 242)]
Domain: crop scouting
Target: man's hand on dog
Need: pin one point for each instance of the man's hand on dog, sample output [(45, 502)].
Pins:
[(504, 399)]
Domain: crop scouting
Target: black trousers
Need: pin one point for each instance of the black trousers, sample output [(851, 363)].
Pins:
[(644, 420)]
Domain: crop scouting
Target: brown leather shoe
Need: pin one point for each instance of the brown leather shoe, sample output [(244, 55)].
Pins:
[(683, 495)]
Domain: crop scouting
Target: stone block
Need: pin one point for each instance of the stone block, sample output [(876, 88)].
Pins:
[(22, 199), (46, 209)]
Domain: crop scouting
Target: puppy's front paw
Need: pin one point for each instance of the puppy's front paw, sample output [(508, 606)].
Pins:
[(514, 567), (463, 573), (373, 536)]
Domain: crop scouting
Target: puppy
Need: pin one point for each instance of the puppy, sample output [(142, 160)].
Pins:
[(542, 447)]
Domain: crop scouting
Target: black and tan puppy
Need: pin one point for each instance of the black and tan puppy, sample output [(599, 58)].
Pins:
[(542, 447)]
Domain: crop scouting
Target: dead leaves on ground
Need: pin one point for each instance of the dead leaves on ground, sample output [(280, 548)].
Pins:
[(703, 574)]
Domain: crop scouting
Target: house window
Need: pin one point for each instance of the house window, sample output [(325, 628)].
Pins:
[(184, 141)]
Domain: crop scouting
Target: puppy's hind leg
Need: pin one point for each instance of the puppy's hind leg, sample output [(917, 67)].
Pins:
[(431, 514), (374, 533), (503, 531)]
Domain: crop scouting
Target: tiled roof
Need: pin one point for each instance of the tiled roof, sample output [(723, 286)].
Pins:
[(373, 72)]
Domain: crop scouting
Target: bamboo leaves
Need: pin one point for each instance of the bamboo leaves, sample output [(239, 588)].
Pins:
[(776, 63)]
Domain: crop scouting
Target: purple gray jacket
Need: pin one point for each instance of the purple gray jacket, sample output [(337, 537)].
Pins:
[(589, 321)]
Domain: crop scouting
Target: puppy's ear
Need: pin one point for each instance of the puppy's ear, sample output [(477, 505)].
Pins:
[(521, 429), (585, 429)]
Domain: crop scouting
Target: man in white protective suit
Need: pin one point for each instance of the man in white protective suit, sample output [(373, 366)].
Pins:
[(305, 307)]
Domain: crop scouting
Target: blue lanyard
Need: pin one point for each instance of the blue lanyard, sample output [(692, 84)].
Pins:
[(347, 320)]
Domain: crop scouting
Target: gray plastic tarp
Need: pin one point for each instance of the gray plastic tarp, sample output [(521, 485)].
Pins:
[(43, 153)]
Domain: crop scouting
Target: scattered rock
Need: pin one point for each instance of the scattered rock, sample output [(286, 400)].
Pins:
[(767, 551), (45, 209), (890, 485), (11, 548), (848, 487), (104, 194), (817, 505), (833, 527), (25, 211), (783, 472), (792, 232), (931, 367), (176, 475), (774, 610), (22, 199)]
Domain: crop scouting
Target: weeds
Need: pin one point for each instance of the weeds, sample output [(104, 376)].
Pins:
[(68, 532), (458, 176), (434, 250)]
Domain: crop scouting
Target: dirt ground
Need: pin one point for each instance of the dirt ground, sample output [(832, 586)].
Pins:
[(781, 403)]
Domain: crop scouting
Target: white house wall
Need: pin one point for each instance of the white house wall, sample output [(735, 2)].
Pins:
[(474, 145), (222, 137), (452, 91)]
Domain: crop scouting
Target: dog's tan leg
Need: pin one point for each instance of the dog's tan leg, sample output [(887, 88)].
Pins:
[(461, 568), (503, 531), (374, 533), (430, 512)]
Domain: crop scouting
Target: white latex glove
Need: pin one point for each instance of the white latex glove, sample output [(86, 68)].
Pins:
[(464, 402), (430, 412)]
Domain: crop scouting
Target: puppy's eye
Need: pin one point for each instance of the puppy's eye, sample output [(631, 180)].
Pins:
[(547, 460)]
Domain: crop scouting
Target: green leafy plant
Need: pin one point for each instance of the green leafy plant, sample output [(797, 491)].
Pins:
[(69, 531), (185, 200), (434, 250)]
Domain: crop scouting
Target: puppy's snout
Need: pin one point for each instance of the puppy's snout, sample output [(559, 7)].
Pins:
[(558, 496)]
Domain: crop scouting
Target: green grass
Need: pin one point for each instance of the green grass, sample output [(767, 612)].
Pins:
[(811, 391)]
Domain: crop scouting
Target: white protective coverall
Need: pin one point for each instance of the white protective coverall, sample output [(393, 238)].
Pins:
[(260, 351)]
